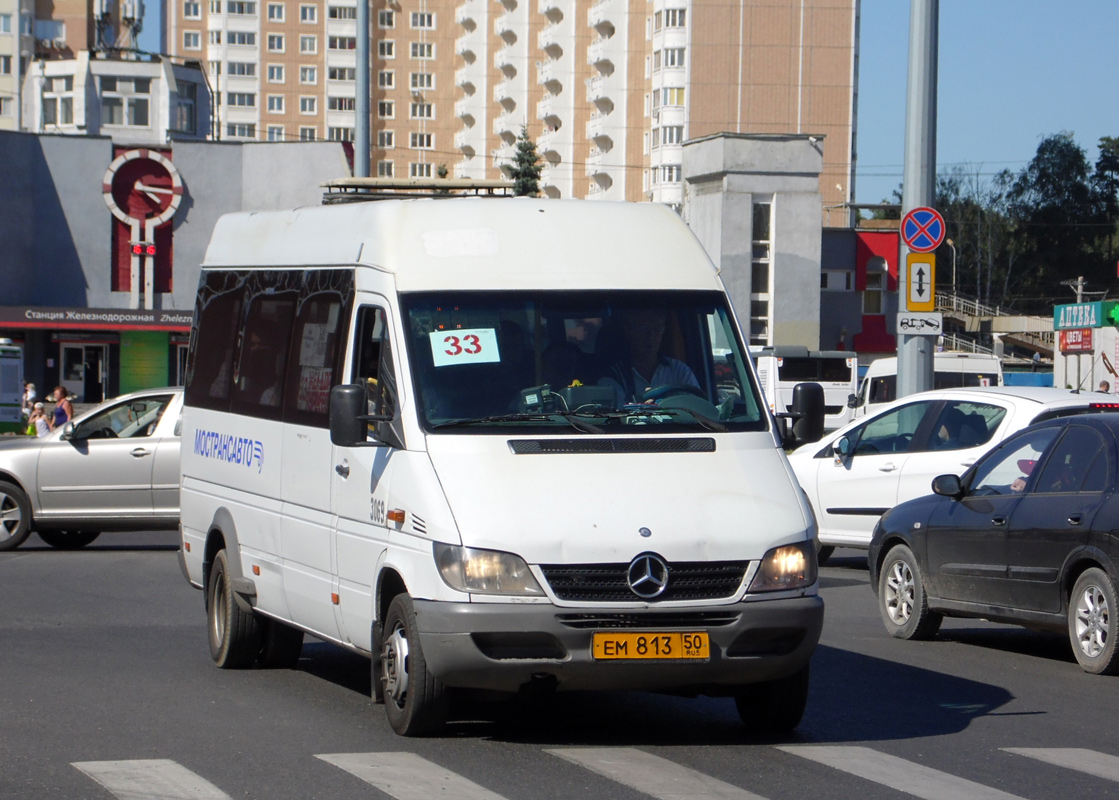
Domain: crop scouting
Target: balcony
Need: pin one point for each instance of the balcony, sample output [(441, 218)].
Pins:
[(503, 95), (503, 60), (599, 17), (464, 143), (503, 27), (548, 41), (552, 9), (464, 79), (464, 15), (599, 57), (508, 127)]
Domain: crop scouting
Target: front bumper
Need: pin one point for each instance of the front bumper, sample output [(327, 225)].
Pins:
[(505, 647)]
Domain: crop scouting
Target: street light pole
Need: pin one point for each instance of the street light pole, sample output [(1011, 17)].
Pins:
[(952, 245)]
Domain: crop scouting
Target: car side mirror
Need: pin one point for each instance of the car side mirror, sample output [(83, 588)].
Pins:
[(349, 420), (843, 447), (948, 486), (807, 414), (852, 400), (67, 432)]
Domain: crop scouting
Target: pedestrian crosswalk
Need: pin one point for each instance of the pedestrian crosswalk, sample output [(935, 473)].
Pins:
[(408, 776)]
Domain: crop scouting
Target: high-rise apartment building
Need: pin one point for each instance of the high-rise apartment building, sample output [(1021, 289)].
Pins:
[(608, 89)]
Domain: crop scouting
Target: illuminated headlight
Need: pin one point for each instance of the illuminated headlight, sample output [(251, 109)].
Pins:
[(792, 566), (485, 571)]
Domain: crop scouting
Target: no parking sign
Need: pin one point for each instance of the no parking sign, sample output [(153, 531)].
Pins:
[(922, 229)]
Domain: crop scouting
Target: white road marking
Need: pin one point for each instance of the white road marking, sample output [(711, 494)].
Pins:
[(1088, 761), (897, 773), (150, 779), (407, 776), (651, 774)]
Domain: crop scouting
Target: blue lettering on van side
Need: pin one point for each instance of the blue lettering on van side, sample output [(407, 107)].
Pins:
[(229, 448)]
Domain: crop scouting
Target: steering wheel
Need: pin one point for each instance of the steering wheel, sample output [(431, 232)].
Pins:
[(668, 389), (104, 433)]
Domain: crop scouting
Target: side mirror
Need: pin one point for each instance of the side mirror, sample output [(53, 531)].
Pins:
[(808, 412), (852, 400), (948, 486), (349, 420), (67, 432), (843, 447)]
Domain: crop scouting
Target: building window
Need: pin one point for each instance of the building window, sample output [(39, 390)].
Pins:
[(308, 14), (275, 43), (760, 271), (341, 12), (341, 74), (672, 134), (386, 140), (215, 6), (307, 134), (308, 105), (275, 12), (419, 170), (875, 285), (674, 57), (340, 104), (340, 134), (386, 109), (192, 40), (275, 73), (386, 79), (245, 9), (241, 99), (384, 169), (423, 50), (308, 74), (215, 37), (673, 95), (243, 38), (674, 17), (245, 69), (343, 42), (308, 43), (6, 106), (192, 9), (422, 111), (422, 141), (386, 18), (241, 130), (423, 80), (186, 108), (125, 101), (670, 173), (5, 65), (275, 133), (837, 280), (422, 20), (275, 104), (5, 23), (386, 48)]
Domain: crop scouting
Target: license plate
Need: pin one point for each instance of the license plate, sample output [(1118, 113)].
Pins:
[(665, 646)]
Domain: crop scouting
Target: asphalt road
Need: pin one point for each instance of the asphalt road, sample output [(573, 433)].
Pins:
[(107, 690)]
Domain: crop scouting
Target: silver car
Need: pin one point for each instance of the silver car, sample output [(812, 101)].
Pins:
[(113, 468)]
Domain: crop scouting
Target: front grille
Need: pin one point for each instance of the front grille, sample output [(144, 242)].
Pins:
[(523, 447), (606, 583), (653, 621)]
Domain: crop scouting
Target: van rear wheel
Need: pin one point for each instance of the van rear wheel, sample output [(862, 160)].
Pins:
[(235, 634), (280, 646), (773, 707), (415, 701)]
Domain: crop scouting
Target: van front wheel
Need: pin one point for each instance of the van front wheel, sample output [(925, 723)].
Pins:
[(773, 707), (416, 701)]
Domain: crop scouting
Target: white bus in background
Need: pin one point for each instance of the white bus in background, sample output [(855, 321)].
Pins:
[(951, 371), (780, 368)]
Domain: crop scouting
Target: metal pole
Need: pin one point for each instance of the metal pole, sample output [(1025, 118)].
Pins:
[(361, 103), (915, 353), (952, 245)]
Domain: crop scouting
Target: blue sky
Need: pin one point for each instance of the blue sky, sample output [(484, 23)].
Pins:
[(1011, 72)]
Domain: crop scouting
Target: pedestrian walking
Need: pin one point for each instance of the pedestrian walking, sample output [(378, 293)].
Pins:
[(63, 410)]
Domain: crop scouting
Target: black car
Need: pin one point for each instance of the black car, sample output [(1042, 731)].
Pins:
[(1027, 536)]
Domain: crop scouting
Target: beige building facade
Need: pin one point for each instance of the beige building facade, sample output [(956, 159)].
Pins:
[(608, 89)]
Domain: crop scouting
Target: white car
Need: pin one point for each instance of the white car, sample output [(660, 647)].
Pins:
[(862, 470)]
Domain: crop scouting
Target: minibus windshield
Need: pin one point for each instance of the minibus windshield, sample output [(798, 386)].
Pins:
[(579, 362)]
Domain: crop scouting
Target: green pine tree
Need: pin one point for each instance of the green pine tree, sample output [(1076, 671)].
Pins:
[(527, 166)]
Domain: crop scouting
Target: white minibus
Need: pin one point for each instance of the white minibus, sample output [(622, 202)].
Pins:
[(782, 367), (491, 444), (950, 371)]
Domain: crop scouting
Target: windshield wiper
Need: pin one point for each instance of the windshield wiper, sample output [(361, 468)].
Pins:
[(572, 419)]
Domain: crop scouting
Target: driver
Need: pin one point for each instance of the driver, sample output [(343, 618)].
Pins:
[(643, 366)]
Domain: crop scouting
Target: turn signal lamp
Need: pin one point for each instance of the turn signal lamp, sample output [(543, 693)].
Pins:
[(396, 515)]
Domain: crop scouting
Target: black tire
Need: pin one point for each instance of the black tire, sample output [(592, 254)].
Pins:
[(824, 553), (1093, 616), (773, 707), (416, 702), (280, 644), (901, 597), (15, 516), (235, 635), (68, 540)]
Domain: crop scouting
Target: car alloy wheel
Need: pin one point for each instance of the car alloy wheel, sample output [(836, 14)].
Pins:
[(1092, 618), (899, 592)]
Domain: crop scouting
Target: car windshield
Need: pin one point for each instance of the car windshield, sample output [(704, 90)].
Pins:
[(592, 362)]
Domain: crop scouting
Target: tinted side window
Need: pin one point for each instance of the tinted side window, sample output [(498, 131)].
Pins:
[(1071, 461), (315, 358), (1010, 468), (258, 374), (962, 425), (373, 366), (213, 339), (892, 432)]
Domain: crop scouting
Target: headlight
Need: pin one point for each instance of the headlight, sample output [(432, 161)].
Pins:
[(792, 566), (485, 571)]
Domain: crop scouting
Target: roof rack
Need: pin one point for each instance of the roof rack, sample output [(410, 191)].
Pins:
[(357, 190)]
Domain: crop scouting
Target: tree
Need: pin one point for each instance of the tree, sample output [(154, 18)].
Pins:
[(1105, 182), (527, 166)]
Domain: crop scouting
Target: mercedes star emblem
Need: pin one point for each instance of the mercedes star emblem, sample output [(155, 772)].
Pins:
[(647, 576)]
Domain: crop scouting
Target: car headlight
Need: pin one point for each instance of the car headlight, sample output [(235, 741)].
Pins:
[(485, 571), (791, 566)]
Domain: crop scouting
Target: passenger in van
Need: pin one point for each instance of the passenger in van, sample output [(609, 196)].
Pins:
[(643, 365)]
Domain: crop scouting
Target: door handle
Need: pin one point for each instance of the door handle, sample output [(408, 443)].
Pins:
[(343, 470), (1074, 519), (999, 520), (890, 467), (140, 452)]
